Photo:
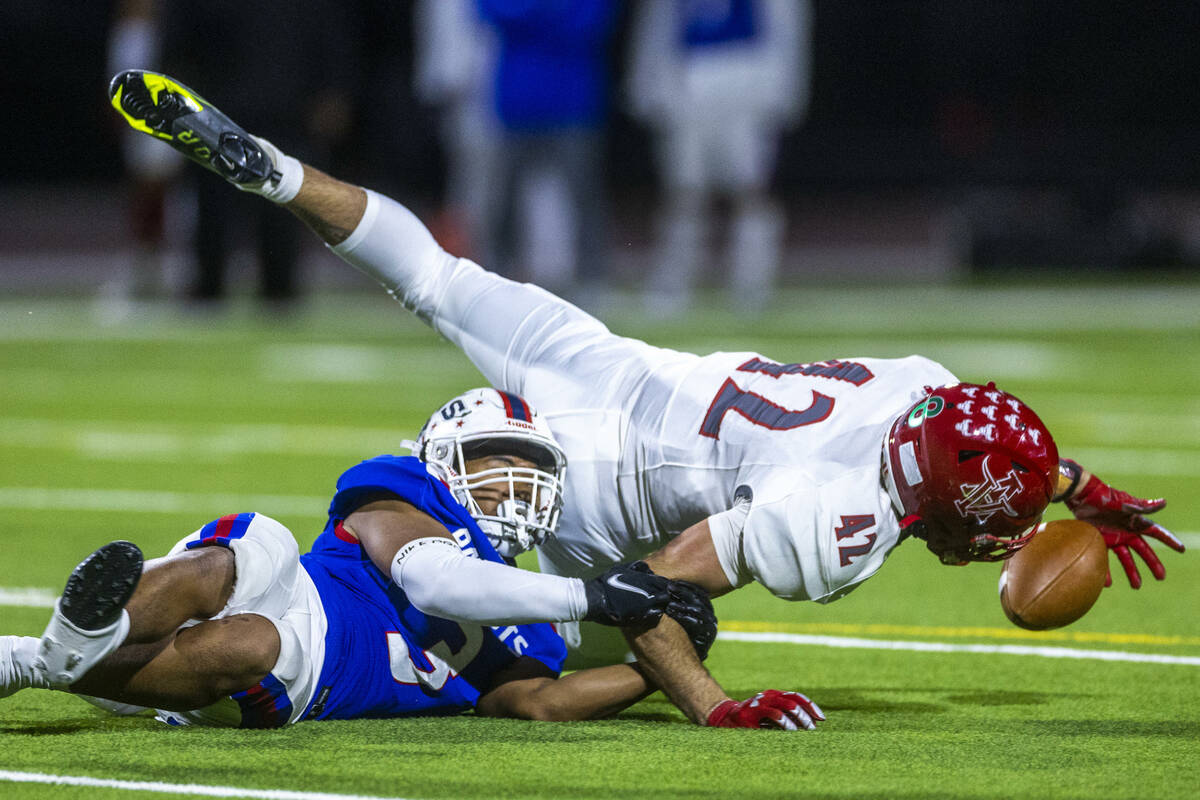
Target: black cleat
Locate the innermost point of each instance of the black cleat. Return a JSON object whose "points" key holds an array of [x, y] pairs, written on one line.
{"points": [[162, 107], [101, 585]]}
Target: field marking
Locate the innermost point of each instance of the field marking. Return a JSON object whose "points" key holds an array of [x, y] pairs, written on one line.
{"points": [[164, 440], [27, 597], [131, 501], [953, 632], [178, 788], [943, 647], [734, 630]]}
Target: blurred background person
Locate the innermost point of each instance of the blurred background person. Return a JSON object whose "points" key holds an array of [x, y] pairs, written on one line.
{"points": [[718, 82], [455, 62], [293, 79], [150, 166], [551, 92]]}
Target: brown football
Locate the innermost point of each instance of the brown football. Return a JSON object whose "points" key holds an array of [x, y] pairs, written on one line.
{"points": [[1055, 578]]}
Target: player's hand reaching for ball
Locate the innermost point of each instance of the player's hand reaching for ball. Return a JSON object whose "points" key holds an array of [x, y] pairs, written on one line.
{"points": [[788, 711], [1119, 516]]}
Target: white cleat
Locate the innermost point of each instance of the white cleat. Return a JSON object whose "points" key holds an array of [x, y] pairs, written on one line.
{"points": [[89, 619], [16, 665]]}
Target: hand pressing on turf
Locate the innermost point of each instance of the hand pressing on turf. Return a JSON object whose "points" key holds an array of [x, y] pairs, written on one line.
{"points": [[1119, 518], [789, 711]]}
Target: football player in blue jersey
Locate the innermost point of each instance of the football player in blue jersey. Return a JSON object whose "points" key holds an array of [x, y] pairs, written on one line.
{"points": [[402, 607]]}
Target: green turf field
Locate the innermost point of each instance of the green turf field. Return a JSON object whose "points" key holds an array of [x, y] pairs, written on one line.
{"points": [[147, 429]]}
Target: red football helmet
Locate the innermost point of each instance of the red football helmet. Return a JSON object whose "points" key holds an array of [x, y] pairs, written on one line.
{"points": [[973, 468]]}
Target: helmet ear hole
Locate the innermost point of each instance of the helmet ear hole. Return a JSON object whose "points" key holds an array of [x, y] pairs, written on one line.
{"points": [[967, 455], [1019, 467]]}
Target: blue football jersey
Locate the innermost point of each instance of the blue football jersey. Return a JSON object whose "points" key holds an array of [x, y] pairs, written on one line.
{"points": [[382, 656]]}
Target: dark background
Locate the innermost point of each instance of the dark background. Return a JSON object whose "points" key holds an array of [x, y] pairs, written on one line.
{"points": [[1095, 103]]}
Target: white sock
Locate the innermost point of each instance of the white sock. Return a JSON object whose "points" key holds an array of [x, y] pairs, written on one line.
{"points": [[291, 176], [16, 665]]}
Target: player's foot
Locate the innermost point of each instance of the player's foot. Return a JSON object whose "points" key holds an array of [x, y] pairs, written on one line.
{"points": [[166, 109], [16, 665], [89, 619]]}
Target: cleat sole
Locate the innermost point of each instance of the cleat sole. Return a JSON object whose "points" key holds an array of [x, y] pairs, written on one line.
{"points": [[98, 589]]}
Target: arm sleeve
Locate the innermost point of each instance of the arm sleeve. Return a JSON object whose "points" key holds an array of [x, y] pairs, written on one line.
{"points": [[442, 581]]}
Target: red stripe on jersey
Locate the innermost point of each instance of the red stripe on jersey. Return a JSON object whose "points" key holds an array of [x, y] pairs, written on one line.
{"points": [[224, 525], [340, 532]]}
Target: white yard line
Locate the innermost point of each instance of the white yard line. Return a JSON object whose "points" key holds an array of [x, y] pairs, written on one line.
{"points": [[134, 501], [27, 597], [32, 597], [943, 647], [158, 440], [195, 789]]}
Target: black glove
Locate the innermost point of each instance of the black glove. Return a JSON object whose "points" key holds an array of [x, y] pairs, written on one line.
{"points": [[628, 594], [692, 609]]}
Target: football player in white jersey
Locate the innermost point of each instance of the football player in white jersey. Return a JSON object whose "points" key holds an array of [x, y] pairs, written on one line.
{"points": [[727, 468]]}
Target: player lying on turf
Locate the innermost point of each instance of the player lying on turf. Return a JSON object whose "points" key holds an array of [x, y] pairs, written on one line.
{"points": [[802, 476], [402, 607]]}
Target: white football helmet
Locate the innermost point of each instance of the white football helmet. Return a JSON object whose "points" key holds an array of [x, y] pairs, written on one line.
{"points": [[484, 422]]}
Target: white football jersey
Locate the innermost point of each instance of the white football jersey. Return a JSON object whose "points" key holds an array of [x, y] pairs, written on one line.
{"points": [[806, 438], [657, 440]]}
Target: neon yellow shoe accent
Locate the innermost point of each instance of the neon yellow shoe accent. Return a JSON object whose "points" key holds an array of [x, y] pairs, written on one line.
{"points": [[155, 84], [162, 107]]}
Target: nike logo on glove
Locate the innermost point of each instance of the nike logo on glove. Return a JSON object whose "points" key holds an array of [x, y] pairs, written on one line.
{"points": [[615, 582]]}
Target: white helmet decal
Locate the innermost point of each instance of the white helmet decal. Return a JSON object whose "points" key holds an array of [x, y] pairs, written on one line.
{"points": [[989, 495], [486, 422]]}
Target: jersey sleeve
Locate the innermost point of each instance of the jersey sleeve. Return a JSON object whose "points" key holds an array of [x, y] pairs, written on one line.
{"points": [[403, 476], [816, 541], [407, 478]]}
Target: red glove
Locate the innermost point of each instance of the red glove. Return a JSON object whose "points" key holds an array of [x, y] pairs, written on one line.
{"points": [[1118, 517], [789, 711]]}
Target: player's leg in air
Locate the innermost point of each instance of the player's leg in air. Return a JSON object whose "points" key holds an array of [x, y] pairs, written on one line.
{"points": [[178, 633], [523, 339], [508, 330]]}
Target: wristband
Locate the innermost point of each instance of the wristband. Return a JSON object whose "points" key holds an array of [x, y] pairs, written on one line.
{"points": [[720, 712]]}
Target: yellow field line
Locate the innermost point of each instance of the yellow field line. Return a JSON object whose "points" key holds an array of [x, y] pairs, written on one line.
{"points": [[949, 632]]}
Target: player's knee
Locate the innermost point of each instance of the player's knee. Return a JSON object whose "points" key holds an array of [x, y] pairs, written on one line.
{"points": [[213, 571], [187, 585], [231, 654]]}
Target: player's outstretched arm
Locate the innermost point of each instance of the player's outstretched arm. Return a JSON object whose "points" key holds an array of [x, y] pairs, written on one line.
{"points": [[673, 666], [526, 691], [1120, 518], [440, 580]]}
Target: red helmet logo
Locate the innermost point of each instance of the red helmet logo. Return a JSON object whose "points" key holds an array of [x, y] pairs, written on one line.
{"points": [[973, 468]]}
